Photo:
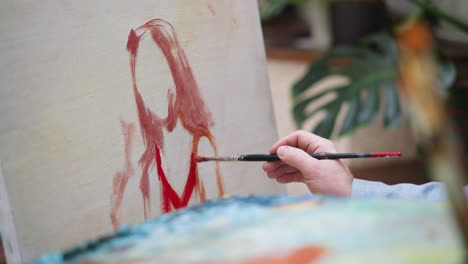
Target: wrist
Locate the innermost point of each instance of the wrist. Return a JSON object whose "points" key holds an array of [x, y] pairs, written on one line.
{"points": [[341, 188]]}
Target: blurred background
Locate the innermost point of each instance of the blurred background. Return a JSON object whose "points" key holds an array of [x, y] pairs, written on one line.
{"points": [[335, 69]]}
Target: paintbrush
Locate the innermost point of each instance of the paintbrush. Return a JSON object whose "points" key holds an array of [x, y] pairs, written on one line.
{"points": [[274, 157]]}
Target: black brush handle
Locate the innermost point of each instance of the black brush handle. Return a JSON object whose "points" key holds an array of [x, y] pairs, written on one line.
{"points": [[274, 157], [259, 157]]}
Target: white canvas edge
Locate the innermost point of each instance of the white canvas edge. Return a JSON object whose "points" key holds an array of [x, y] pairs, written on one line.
{"points": [[7, 226]]}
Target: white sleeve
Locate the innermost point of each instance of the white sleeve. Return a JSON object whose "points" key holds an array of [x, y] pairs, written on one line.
{"points": [[431, 190]]}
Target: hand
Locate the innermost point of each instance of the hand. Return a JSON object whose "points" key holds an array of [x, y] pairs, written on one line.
{"points": [[296, 165]]}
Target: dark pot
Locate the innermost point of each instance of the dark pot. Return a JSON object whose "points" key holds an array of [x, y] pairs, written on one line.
{"points": [[458, 109], [352, 20]]}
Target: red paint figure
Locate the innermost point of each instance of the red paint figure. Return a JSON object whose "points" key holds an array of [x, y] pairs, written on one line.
{"points": [[186, 105]]}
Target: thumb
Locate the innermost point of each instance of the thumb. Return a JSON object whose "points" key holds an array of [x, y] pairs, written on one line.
{"points": [[295, 157]]}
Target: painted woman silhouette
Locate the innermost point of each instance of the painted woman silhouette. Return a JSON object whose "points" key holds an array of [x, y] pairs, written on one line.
{"points": [[186, 106]]}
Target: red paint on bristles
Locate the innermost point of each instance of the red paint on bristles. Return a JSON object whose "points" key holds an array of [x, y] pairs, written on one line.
{"points": [[201, 159], [386, 154]]}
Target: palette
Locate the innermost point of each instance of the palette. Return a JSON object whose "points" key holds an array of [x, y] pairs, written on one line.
{"points": [[282, 229]]}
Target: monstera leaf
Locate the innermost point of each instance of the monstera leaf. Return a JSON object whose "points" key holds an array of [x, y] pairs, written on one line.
{"points": [[371, 69]]}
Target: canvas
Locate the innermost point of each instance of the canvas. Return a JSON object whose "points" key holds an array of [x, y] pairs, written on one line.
{"points": [[105, 106]]}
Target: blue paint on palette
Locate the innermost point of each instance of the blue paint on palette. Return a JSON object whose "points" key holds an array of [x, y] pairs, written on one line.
{"points": [[240, 228]]}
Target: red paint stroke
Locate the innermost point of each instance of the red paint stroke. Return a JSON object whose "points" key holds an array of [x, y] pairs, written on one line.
{"points": [[212, 10], [121, 177], [385, 154], [168, 191], [185, 105]]}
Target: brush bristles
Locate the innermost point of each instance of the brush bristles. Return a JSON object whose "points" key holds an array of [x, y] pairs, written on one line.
{"points": [[203, 159]]}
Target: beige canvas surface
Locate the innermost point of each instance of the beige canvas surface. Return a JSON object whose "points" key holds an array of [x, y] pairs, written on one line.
{"points": [[66, 98]]}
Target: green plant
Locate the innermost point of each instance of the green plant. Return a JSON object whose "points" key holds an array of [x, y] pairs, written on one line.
{"points": [[369, 70], [372, 70]]}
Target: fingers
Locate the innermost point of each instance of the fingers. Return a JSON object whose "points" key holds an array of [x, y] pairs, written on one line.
{"points": [[296, 165], [291, 177], [276, 170], [320, 176], [272, 165], [296, 158], [306, 141]]}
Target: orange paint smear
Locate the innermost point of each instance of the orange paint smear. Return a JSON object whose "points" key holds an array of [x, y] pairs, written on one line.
{"points": [[415, 37], [305, 255]]}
